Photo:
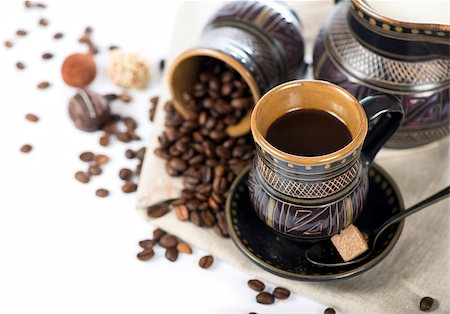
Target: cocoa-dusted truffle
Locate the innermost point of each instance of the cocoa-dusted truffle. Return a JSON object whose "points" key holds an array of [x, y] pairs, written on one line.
{"points": [[88, 110], [79, 70]]}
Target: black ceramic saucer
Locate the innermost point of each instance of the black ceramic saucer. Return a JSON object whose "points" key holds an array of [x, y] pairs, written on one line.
{"points": [[284, 256]]}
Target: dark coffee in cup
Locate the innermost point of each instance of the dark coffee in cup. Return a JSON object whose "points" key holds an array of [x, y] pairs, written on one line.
{"points": [[308, 133]]}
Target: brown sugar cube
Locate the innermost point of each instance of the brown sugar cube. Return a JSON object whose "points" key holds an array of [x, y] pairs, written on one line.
{"points": [[350, 243]]}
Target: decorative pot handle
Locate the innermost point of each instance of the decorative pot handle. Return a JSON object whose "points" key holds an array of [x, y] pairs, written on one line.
{"points": [[385, 115]]}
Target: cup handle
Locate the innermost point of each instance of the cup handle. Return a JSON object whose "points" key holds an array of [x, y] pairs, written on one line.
{"points": [[385, 115]]}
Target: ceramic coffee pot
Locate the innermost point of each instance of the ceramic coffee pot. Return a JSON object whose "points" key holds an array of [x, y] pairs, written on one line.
{"points": [[368, 47]]}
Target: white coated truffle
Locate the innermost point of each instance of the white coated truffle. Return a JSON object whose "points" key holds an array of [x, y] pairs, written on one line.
{"points": [[128, 69]]}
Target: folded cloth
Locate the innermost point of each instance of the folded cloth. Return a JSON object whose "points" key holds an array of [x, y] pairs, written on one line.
{"points": [[418, 265]]}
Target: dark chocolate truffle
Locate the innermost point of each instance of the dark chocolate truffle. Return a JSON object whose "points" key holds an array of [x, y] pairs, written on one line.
{"points": [[88, 110], [79, 70]]}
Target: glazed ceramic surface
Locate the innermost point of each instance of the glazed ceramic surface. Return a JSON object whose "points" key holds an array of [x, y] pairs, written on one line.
{"points": [[285, 256], [262, 41], [317, 197], [367, 53]]}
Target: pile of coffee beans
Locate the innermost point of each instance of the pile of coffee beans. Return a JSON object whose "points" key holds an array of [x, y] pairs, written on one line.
{"points": [[265, 297], [199, 149], [171, 243]]}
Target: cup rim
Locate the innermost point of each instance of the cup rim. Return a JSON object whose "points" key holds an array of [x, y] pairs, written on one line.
{"points": [[303, 160]]}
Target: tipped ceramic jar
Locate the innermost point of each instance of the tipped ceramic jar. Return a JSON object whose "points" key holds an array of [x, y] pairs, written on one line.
{"points": [[261, 41]]}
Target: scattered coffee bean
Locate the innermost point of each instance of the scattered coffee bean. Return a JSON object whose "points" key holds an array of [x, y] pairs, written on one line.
{"points": [[126, 98], [130, 154], [329, 311], [58, 35], [281, 293], [87, 156], [157, 211], [86, 39], [182, 212], [102, 192], [113, 47], [426, 303], [95, 170], [146, 254], [146, 244], [168, 241], [43, 22], [265, 298], [184, 248], [20, 65], [125, 174], [172, 254], [8, 44], [256, 285], [83, 177], [21, 32], [162, 63], [157, 234], [43, 85], [26, 148], [34, 4], [206, 261], [31, 117], [104, 140], [101, 159], [129, 187], [47, 55]]}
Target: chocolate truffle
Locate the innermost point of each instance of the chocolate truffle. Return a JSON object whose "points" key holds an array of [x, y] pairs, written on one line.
{"points": [[78, 70], [88, 110], [128, 70]]}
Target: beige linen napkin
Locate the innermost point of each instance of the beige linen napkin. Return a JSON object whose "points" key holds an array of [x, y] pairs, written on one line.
{"points": [[416, 267]]}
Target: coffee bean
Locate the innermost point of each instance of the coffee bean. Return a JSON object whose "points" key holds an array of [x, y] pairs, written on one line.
{"points": [[281, 293], [126, 98], [195, 218], [20, 65], [26, 148], [157, 234], [182, 213], [426, 303], [8, 44], [43, 85], [129, 187], [162, 63], [58, 35], [265, 298], [87, 156], [125, 174], [172, 254], [256, 285], [43, 22], [101, 159], [31, 117], [184, 248], [207, 216], [206, 261], [21, 32], [94, 170], [157, 211], [329, 311], [146, 244], [47, 55], [168, 241], [178, 164], [102, 192], [104, 140], [130, 154], [83, 177], [146, 254]]}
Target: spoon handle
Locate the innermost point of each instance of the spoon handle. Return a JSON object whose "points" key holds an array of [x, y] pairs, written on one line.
{"points": [[413, 209]]}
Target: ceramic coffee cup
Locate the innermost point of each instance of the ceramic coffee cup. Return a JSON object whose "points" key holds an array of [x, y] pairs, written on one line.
{"points": [[317, 197], [261, 40]]}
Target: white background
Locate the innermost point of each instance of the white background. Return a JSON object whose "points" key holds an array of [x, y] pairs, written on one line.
{"points": [[62, 249]]}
